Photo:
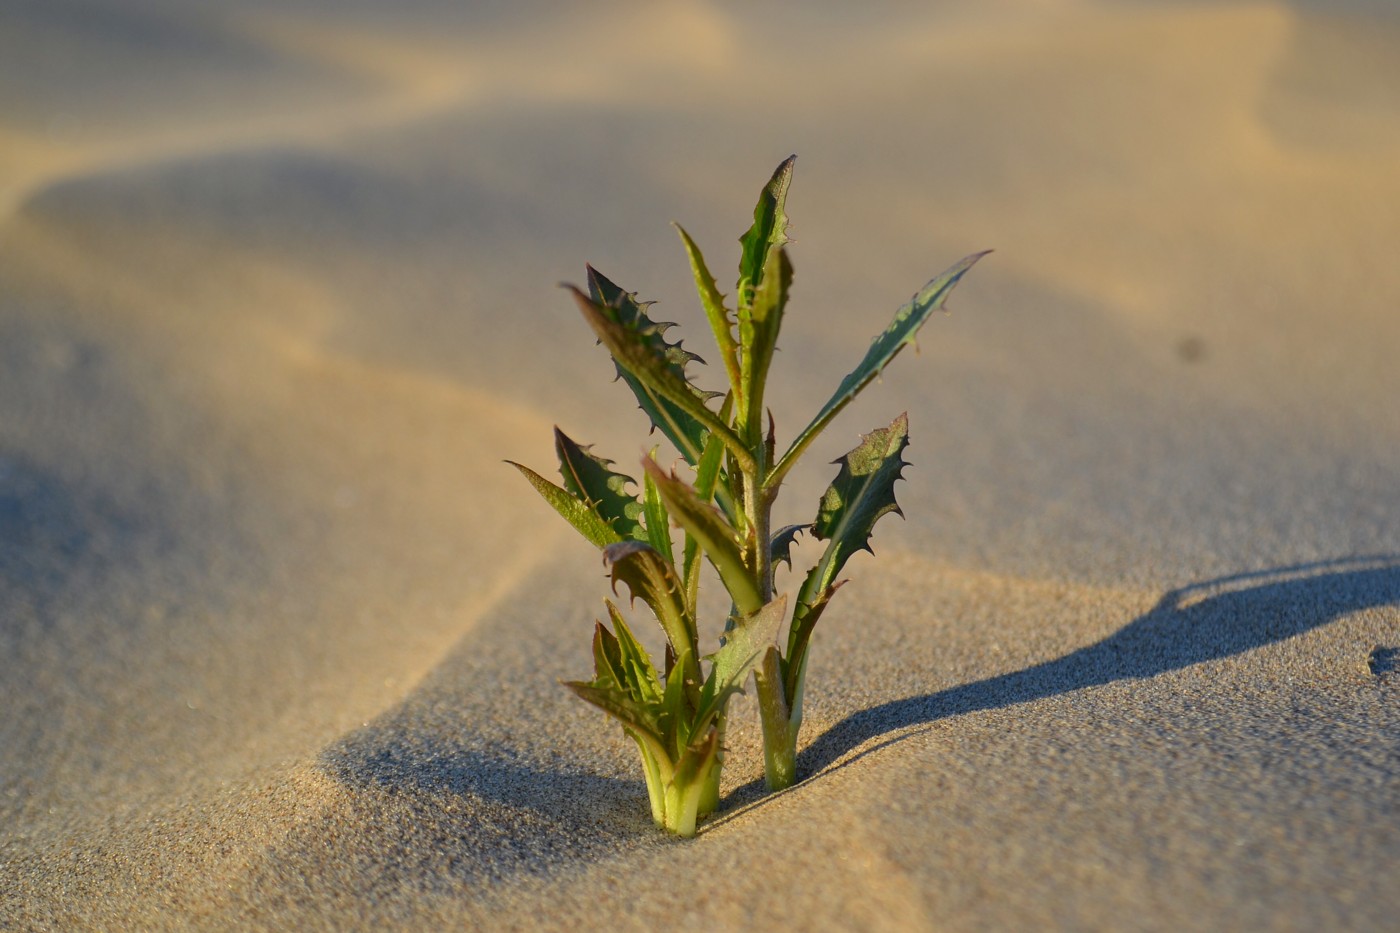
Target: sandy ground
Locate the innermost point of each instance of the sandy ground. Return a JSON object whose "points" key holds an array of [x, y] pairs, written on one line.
{"points": [[280, 634]]}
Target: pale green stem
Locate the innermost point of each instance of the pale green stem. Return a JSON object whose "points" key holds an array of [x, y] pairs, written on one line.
{"points": [[779, 735]]}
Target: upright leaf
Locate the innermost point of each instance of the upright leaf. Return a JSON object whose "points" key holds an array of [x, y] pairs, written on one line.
{"points": [[638, 673], [902, 330], [658, 530], [722, 322], [605, 492], [759, 323], [769, 231]]}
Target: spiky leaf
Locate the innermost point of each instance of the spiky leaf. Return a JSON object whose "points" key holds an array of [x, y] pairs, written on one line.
{"points": [[861, 494], [588, 478], [660, 379], [780, 546], [901, 332], [676, 420], [574, 511], [708, 526]]}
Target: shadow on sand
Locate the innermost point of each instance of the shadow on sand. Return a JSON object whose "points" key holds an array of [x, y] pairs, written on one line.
{"points": [[1200, 622]]}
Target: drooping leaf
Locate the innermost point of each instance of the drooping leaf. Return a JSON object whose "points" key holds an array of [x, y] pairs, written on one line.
{"points": [[722, 321], [574, 511], [902, 330], [588, 478], [708, 526], [676, 420], [768, 232], [660, 379], [651, 578]]}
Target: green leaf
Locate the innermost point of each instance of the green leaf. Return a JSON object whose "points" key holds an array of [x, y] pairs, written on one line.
{"points": [[902, 330], [861, 494], [584, 519], [651, 578], [708, 488], [642, 721], [722, 322], [674, 419], [658, 530], [780, 545], [588, 478], [639, 355], [769, 231], [759, 324], [741, 649], [638, 673], [717, 539]]}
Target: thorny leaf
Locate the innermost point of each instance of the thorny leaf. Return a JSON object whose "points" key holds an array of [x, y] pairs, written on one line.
{"points": [[588, 478]]}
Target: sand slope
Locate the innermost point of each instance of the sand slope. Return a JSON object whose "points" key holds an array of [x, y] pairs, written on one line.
{"points": [[280, 634]]}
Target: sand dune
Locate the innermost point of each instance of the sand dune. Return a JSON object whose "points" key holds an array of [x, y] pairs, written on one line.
{"points": [[280, 635]]}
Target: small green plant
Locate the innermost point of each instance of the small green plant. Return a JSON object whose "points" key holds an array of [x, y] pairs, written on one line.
{"points": [[676, 714]]}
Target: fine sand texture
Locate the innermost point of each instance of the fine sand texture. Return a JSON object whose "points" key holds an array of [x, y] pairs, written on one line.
{"points": [[281, 634]]}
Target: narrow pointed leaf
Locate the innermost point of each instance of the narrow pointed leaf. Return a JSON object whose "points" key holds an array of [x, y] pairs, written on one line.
{"points": [[584, 519], [769, 230], [722, 322], [661, 380], [902, 330], [675, 714], [708, 526], [588, 478]]}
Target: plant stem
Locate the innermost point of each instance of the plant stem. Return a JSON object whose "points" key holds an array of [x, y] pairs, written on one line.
{"points": [[779, 736]]}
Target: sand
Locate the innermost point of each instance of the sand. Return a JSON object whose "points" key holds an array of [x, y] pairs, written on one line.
{"points": [[280, 634]]}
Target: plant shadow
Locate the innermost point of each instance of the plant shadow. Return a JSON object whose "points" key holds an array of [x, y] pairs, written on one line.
{"points": [[1196, 623]]}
